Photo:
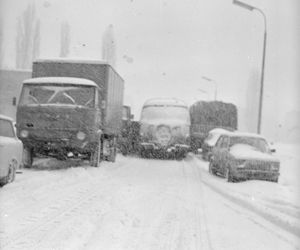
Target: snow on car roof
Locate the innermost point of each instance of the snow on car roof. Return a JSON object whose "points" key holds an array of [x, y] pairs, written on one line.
{"points": [[165, 102], [72, 60], [67, 80], [245, 134], [4, 117]]}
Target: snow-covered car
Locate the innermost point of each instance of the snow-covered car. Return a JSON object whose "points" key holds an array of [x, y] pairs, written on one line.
{"points": [[210, 141], [11, 150], [244, 156]]}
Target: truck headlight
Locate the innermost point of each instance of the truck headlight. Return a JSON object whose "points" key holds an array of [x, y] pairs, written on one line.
{"points": [[80, 136], [24, 133]]}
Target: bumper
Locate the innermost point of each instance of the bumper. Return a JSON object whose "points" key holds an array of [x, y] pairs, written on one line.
{"points": [[254, 174], [168, 149], [54, 145]]}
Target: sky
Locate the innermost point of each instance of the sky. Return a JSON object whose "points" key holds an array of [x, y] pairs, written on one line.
{"points": [[164, 48]]}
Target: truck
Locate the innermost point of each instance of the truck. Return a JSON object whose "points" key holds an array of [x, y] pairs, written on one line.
{"points": [[164, 128], [207, 115], [128, 141], [70, 108]]}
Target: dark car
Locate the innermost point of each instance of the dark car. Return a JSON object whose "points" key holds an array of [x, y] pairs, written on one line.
{"points": [[244, 156]]}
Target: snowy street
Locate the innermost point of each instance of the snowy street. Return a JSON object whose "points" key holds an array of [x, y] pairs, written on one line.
{"points": [[145, 204]]}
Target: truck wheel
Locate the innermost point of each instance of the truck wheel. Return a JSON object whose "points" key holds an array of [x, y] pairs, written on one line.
{"points": [[113, 154], [95, 155], [27, 157]]}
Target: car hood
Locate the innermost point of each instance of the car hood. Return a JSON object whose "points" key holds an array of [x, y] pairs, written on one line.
{"points": [[247, 152]]}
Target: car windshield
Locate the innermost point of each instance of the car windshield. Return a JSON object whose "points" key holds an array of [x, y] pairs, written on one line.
{"points": [[258, 143], [165, 112], [58, 94], [6, 128]]}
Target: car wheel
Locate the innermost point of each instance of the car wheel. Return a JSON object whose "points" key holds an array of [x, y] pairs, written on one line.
{"points": [[211, 168], [275, 180], [228, 175], [11, 173]]}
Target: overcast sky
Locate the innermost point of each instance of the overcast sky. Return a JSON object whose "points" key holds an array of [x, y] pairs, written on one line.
{"points": [[164, 47]]}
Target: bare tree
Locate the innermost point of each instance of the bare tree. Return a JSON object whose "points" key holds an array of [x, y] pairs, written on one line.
{"points": [[36, 41], [1, 43], [27, 38], [109, 46], [65, 39]]}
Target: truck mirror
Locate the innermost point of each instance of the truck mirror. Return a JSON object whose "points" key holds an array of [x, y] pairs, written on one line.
{"points": [[14, 101]]}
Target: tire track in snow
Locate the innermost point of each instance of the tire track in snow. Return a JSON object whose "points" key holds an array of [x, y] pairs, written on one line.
{"points": [[71, 199], [201, 221]]}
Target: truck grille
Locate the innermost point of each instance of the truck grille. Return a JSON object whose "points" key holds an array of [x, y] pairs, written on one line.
{"points": [[163, 135]]}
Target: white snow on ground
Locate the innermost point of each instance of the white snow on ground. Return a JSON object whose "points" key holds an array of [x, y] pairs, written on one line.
{"points": [[146, 204]]}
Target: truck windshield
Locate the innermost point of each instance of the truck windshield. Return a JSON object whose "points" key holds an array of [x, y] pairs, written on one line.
{"points": [[165, 112], [58, 94]]}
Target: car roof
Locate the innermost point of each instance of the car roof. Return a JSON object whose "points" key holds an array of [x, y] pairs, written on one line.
{"points": [[4, 117], [65, 80]]}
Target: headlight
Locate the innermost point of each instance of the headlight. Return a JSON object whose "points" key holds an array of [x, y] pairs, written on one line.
{"points": [[241, 163], [24, 133], [80, 135], [275, 166]]}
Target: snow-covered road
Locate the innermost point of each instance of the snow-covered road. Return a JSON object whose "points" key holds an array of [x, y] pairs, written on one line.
{"points": [[145, 204]]}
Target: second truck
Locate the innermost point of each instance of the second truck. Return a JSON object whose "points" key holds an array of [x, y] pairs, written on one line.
{"points": [[71, 108]]}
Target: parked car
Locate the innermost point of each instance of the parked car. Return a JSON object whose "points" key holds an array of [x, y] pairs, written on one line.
{"points": [[11, 150], [244, 156], [210, 141]]}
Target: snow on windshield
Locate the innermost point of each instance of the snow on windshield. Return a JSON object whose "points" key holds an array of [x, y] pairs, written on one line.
{"points": [[165, 112], [54, 94]]}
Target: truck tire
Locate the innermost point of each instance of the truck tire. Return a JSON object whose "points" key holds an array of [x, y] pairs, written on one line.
{"points": [[27, 157], [95, 155]]}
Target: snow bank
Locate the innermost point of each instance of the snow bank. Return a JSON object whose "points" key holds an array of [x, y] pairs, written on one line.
{"points": [[276, 202]]}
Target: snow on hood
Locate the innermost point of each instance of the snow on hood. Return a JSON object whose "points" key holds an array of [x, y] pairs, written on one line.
{"points": [[243, 151]]}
